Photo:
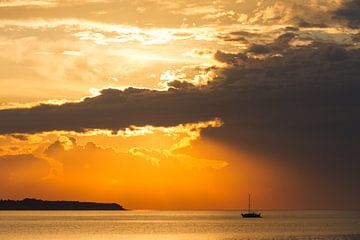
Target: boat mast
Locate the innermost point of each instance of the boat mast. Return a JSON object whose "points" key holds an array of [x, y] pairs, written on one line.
{"points": [[249, 202]]}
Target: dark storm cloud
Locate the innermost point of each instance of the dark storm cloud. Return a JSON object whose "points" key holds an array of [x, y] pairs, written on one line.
{"points": [[350, 12], [259, 49], [302, 109], [180, 85], [307, 24], [239, 36], [302, 106], [281, 43], [306, 100], [112, 109], [230, 58], [318, 75]]}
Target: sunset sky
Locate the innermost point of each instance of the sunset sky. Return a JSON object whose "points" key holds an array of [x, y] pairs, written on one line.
{"points": [[179, 104]]}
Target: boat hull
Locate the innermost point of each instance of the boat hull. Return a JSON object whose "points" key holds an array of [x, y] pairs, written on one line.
{"points": [[251, 215]]}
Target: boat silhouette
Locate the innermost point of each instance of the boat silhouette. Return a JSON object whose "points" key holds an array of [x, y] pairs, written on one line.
{"points": [[251, 214]]}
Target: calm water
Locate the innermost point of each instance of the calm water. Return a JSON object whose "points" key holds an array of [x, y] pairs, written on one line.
{"points": [[188, 225]]}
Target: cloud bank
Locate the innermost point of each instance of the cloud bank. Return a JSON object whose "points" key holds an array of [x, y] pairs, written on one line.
{"points": [[290, 92]]}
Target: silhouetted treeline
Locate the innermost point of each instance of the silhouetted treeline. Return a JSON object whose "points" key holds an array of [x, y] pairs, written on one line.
{"points": [[36, 204]]}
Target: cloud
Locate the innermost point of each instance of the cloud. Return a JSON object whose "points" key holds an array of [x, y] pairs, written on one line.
{"points": [[309, 89], [285, 91], [299, 106], [112, 109], [305, 13], [281, 43], [91, 168], [19, 3], [298, 70], [233, 58], [141, 13], [350, 12], [24, 169]]}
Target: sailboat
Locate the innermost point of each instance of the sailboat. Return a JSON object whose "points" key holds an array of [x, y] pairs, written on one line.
{"points": [[251, 214]]}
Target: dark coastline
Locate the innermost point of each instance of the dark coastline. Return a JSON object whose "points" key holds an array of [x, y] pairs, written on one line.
{"points": [[37, 204]]}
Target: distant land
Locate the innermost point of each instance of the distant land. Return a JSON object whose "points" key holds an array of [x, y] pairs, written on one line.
{"points": [[37, 204]]}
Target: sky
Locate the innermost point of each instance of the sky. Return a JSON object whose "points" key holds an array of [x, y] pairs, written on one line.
{"points": [[159, 104]]}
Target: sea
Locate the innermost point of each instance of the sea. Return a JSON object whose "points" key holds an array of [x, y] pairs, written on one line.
{"points": [[178, 225]]}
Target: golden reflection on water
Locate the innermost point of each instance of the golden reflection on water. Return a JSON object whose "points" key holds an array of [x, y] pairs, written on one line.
{"points": [[176, 225]]}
